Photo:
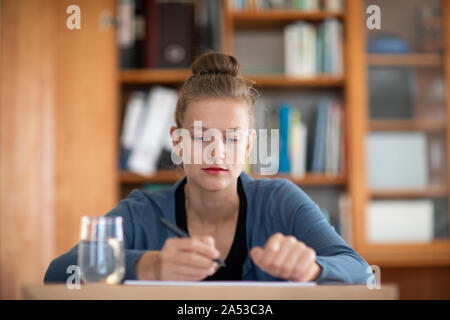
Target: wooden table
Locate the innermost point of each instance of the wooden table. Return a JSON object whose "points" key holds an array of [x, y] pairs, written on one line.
{"points": [[155, 292]]}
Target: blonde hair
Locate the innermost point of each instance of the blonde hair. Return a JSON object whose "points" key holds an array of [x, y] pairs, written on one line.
{"points": [[215, 75]]}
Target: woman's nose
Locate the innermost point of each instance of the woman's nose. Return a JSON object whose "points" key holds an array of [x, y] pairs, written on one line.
{"points": [[219, 150]]}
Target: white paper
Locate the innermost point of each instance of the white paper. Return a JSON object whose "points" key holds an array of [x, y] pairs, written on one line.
{"points": [[220, 283]]}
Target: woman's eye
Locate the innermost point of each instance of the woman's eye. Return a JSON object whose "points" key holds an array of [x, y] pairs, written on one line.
{"points": [[204, 139]]}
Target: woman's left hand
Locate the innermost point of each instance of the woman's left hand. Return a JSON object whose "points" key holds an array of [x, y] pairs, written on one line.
{"points": [[287, 258]]}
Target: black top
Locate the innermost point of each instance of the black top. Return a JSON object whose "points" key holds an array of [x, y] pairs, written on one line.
{"points": [[238, 251]]}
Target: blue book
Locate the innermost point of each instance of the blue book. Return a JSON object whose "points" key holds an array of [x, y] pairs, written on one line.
{"points": [[124, 154], [320, 49], [284, 114], [319, 144]]}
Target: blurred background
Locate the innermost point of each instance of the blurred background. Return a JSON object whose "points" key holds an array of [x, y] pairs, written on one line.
{"points": [[358, 89]]}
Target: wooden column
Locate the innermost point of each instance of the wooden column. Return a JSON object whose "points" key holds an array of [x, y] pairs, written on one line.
{"points": [[86, 120], [57, 132], [356, 106], [446, 35]]}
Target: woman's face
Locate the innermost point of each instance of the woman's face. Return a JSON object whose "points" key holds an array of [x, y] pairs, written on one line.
{"points": [[219, 137]]}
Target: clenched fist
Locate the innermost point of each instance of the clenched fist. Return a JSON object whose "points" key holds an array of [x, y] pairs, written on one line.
{"points": [[287, 258]]}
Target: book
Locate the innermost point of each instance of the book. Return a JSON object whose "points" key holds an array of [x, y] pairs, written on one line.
{"points": [[134, 112], [154, 135], [400, 221], [284, 114], [319, 142], [297, 144], [290, 43], [149, 54], [333, 5], [312, 49], [341, 166], [329, 135], [333, 56], [126, 33], [335, 139], [176, 40], [168, 44], [302, 5], [327, 149], [207, 31]]}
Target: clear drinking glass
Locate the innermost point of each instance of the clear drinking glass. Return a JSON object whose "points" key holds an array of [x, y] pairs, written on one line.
{"points": [[101, 253]]}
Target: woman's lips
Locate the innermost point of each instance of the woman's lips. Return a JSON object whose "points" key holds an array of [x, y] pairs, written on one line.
{"points": [[214, 171]]}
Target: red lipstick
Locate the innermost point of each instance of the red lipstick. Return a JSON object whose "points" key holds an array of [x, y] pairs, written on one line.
{"points": [[214, 170]]}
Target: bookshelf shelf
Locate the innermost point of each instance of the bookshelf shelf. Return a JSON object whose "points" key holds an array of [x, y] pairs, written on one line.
{"points": [[433, 253], [267, 19], [178, 76], [171, 176], [286, 81], [161, 176], [154, 76], [310, 179], [413, 60], [408, 125], [429, 192]]}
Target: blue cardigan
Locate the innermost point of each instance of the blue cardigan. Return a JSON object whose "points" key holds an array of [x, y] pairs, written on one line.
{"points": [[273, 205]]}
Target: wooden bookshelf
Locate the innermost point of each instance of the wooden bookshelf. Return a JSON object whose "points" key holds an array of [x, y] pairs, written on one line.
{"points": [[354, 92], [407, 255]]}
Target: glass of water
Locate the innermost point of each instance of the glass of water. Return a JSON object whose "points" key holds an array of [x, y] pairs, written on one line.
{"points": [[101, 255]]}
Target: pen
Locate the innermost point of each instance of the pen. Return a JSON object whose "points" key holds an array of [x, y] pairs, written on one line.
{"points": [[180, 233]]}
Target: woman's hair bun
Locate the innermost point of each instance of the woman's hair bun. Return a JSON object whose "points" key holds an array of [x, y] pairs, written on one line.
{"points": [[214, 63]]}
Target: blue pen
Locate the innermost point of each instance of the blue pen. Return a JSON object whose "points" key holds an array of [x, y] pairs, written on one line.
{"points": [[180, 233]]}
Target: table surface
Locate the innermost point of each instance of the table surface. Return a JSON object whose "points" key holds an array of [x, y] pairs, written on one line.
{"points": [[183, 292]]}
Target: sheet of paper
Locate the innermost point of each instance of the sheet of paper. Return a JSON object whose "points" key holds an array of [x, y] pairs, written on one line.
{"points": [[220, 283]]}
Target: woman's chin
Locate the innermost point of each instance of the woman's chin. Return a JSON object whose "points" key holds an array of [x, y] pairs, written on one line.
{"points": [[213, 182]]}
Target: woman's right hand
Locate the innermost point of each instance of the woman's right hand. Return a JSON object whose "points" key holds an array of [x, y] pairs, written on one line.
{"points": [[180, 259]]}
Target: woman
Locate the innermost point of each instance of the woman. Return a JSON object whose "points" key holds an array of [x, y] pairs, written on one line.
{"points": [[264, 229]]}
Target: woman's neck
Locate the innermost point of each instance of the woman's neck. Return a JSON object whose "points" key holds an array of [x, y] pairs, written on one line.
{"points": [[211, 207]]}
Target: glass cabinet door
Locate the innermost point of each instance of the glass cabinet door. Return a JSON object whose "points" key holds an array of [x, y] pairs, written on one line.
{"points": [[406, 144]]}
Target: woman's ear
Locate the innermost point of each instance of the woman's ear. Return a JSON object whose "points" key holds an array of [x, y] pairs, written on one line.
{"points": [[175, 140], [251, 141], [172, 129]]}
